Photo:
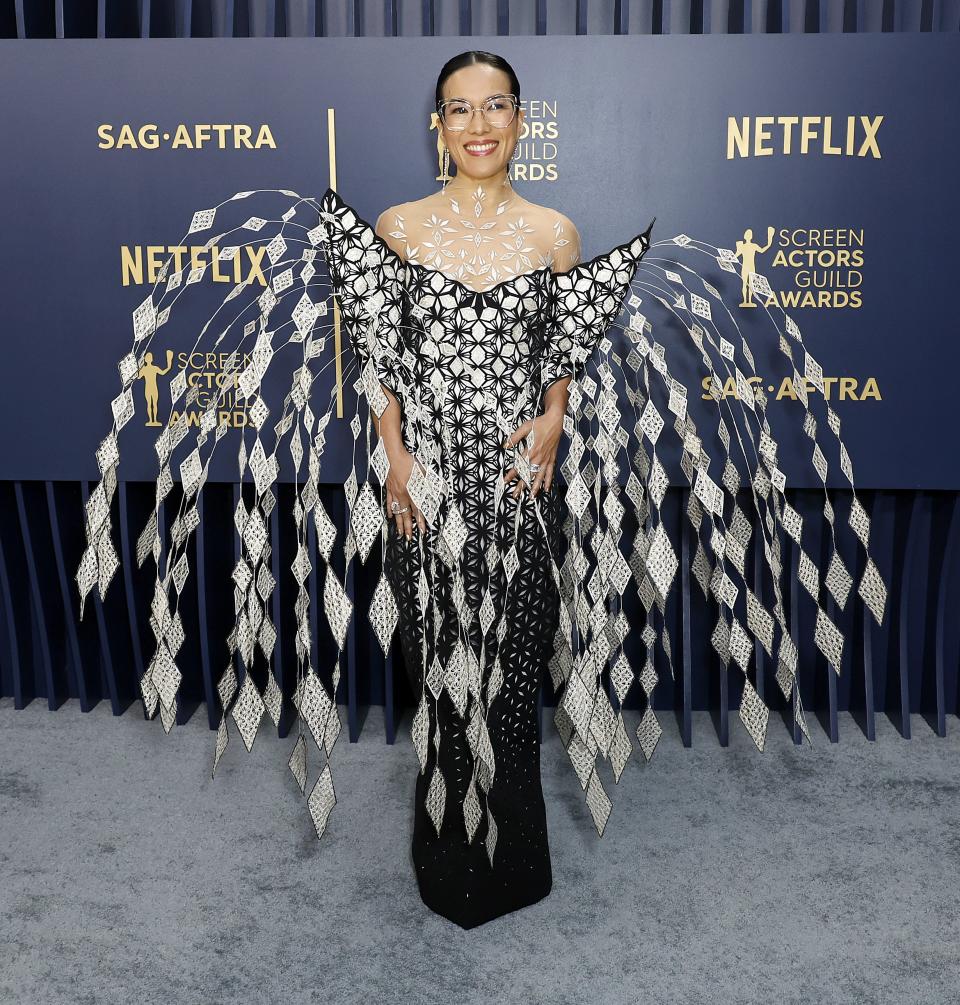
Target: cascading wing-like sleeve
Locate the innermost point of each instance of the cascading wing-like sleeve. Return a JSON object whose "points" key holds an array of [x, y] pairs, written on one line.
{"points": [[627, 413], [282, 310]]}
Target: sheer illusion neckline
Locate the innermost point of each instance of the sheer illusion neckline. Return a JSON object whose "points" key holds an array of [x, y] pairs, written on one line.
{"points": [[404, 264]]}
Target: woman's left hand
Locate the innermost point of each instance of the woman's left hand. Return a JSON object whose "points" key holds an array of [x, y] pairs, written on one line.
{"points": [[546, 429]]}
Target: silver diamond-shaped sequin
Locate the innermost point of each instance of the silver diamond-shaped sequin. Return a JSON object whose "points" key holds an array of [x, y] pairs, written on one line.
{"points": [[314, 704], [420, 730], [648, 733], [661, 561], [829, 640], [322, 800], [436, 798], [338, 607], [298, 764], [326, 531], [873, 591], [471, 810], [753, 713], [384, 613], [599, 803], [366, 518], [838, 581], [248, 711]]}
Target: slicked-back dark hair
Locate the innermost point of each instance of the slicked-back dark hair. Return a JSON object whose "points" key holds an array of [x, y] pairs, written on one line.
{"points": [[470, 58]]}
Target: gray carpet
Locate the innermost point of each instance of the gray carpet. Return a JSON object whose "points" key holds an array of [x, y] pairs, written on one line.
{"points": [[823, 874]]}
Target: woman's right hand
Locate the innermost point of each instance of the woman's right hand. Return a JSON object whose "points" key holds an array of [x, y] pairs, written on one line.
{"points": [[401, 464]]}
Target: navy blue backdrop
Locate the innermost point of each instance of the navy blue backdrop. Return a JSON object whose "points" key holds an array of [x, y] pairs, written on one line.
{"points": [[685, 129], [650, 135]]}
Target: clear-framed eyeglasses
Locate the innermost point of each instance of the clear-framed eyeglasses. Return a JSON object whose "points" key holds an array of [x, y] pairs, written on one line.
{"points": [[499, 111]]}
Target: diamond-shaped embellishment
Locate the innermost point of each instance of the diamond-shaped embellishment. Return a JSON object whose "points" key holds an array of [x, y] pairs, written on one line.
{"points": [[454, 531], [338, 607], [511, 562], [829, 640], [248, 711], [313, 703], [648, 733], [753, 713], [326, 531], [873, 591], [661, 561], [436, 799], [471, 810], [322, 800], [599, 803], [384, 613], [273, 697], [838, 580], [366, 519], [298, 763], [420, 730]]}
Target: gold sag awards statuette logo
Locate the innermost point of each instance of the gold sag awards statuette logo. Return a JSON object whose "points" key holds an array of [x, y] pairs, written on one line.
{"points": [[148, 373], [818, 265], [205, 371], [811, 267], [746, 253]]}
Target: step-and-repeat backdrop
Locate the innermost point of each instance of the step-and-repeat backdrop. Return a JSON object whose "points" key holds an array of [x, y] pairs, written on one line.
{"points": [[829, 161]]}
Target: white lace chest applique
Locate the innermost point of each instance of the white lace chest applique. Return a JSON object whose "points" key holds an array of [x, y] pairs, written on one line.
{"points": [[481, 247]]}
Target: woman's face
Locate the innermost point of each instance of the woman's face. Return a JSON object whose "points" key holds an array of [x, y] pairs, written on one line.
{"points": [[475, 84]]}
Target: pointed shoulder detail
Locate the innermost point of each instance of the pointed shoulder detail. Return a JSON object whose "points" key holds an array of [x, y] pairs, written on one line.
{"points": [[367, 276], [616, 266], [586, 301], [349, 235]]}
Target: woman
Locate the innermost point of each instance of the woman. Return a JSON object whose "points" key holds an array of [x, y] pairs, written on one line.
{"points": [[479, 338], [490, 397], [482, 233]]}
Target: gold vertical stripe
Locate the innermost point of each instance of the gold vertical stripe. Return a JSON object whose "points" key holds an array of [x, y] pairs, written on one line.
{"points": [[337, 345]]}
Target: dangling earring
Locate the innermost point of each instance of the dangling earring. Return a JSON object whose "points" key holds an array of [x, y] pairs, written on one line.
{"points": [[444, 159], [446, 165]]}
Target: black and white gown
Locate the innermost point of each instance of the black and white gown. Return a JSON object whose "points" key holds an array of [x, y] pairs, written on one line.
{"points": [[468, 367], [497, 591]]}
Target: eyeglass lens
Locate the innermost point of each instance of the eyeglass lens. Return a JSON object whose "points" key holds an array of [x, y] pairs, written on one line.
{"points": [[498, 111]]}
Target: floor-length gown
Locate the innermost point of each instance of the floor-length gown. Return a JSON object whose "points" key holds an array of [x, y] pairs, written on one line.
{"points": [[467, 368]]}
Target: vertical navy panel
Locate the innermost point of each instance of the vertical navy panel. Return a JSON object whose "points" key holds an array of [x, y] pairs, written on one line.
{"points": [[686, 642], [12, 671], [54, 685], [74, 660], [127, 568]]}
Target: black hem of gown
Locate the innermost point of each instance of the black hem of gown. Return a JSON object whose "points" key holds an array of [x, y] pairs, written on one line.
{"points": [[455, 877]]}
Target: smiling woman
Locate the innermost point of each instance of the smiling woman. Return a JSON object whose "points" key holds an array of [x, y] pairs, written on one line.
{"points": [[478, 405]]}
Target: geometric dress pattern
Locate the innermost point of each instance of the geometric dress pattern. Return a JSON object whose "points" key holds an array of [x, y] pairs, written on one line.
{"points": [[498, 591]]}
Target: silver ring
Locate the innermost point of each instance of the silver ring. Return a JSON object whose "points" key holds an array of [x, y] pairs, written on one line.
{"points": [[394, 507], [406, 509], [534, 468]]}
